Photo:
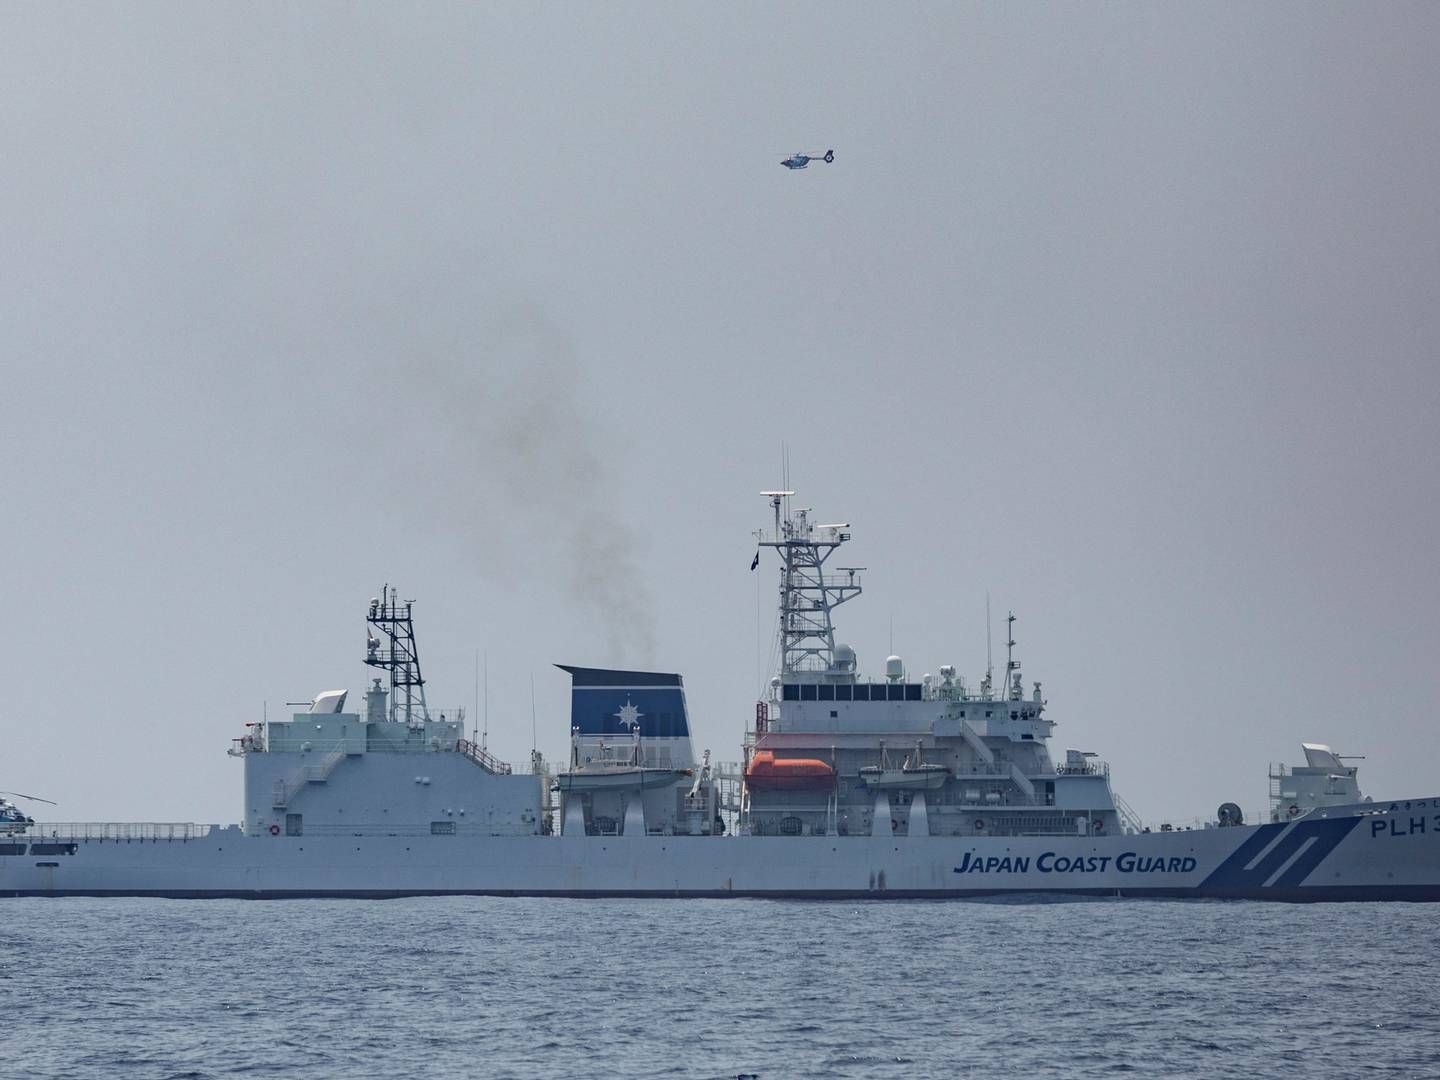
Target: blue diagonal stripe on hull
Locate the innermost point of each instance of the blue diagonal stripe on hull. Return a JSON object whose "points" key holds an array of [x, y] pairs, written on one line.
{"points": [[1338, 829], [1232, 873]]}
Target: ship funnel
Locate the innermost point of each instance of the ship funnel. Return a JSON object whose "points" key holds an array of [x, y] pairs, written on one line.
{"points": [[611, 705]]}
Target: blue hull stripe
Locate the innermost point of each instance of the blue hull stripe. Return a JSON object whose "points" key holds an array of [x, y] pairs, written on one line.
{"points": [[1231, 876]]}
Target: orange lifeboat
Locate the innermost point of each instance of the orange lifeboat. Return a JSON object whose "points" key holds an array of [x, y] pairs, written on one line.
{"points": [[768, 771]]}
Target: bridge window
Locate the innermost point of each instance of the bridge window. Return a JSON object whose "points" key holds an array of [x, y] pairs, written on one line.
{"points": [[912, 691], [896, 692], [807, 692], [12, 849], [827, 693], [790, 693], [844, 693], [862, 692]]}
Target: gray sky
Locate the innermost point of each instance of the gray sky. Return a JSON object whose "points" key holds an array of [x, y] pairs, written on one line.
{"points": [[1125, 314]]}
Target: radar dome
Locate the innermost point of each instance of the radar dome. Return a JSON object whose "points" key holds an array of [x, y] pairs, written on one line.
{"points": [[894, 668], [844, 658]]}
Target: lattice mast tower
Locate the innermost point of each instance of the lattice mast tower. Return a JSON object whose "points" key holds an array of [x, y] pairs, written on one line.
{"points": [[807, 593], [398, 654]]}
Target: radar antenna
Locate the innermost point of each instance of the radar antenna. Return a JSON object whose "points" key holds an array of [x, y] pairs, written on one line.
{"points": [[399, 655], [807, 594]]}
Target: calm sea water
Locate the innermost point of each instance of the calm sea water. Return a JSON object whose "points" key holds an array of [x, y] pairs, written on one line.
{"points": [[462, 987]]}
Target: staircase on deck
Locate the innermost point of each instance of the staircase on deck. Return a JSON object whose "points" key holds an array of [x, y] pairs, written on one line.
{"points": [[487, 761], [286, 790]]}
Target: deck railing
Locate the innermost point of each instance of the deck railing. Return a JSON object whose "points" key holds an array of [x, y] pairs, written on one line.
{"points": [[1129, 819], [116, 830], [483, 758], [1089, 768]]}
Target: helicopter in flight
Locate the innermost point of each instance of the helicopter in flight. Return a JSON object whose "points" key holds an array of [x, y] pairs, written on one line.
{"points": [[799, 161]]}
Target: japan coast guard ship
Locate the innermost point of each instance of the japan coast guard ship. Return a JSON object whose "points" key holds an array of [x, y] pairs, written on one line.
{"points": [[848, 787]]}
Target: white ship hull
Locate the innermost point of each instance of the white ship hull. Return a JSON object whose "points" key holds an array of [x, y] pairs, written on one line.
{"points": [[1377, 851]]}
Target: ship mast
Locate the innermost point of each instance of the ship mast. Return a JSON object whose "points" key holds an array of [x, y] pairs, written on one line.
{"points": [[399, 655], [1012, 687], [807, 593]]}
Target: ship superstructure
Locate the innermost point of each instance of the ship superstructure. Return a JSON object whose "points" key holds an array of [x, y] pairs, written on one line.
{"points": [[834, 753], [392, 768]]}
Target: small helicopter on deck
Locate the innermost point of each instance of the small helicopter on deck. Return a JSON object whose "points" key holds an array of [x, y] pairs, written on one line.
{"points": [[12, 819], [799, 161]]}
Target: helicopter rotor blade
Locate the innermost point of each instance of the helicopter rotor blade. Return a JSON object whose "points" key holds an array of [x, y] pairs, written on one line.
{"points": [[32, 798]]}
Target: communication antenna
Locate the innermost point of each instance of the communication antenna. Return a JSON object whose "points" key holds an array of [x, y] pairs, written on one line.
{"points": [[1010, 664], [485, 732], [759, 637], [785, 478], [532, 713], [989, 664]]}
